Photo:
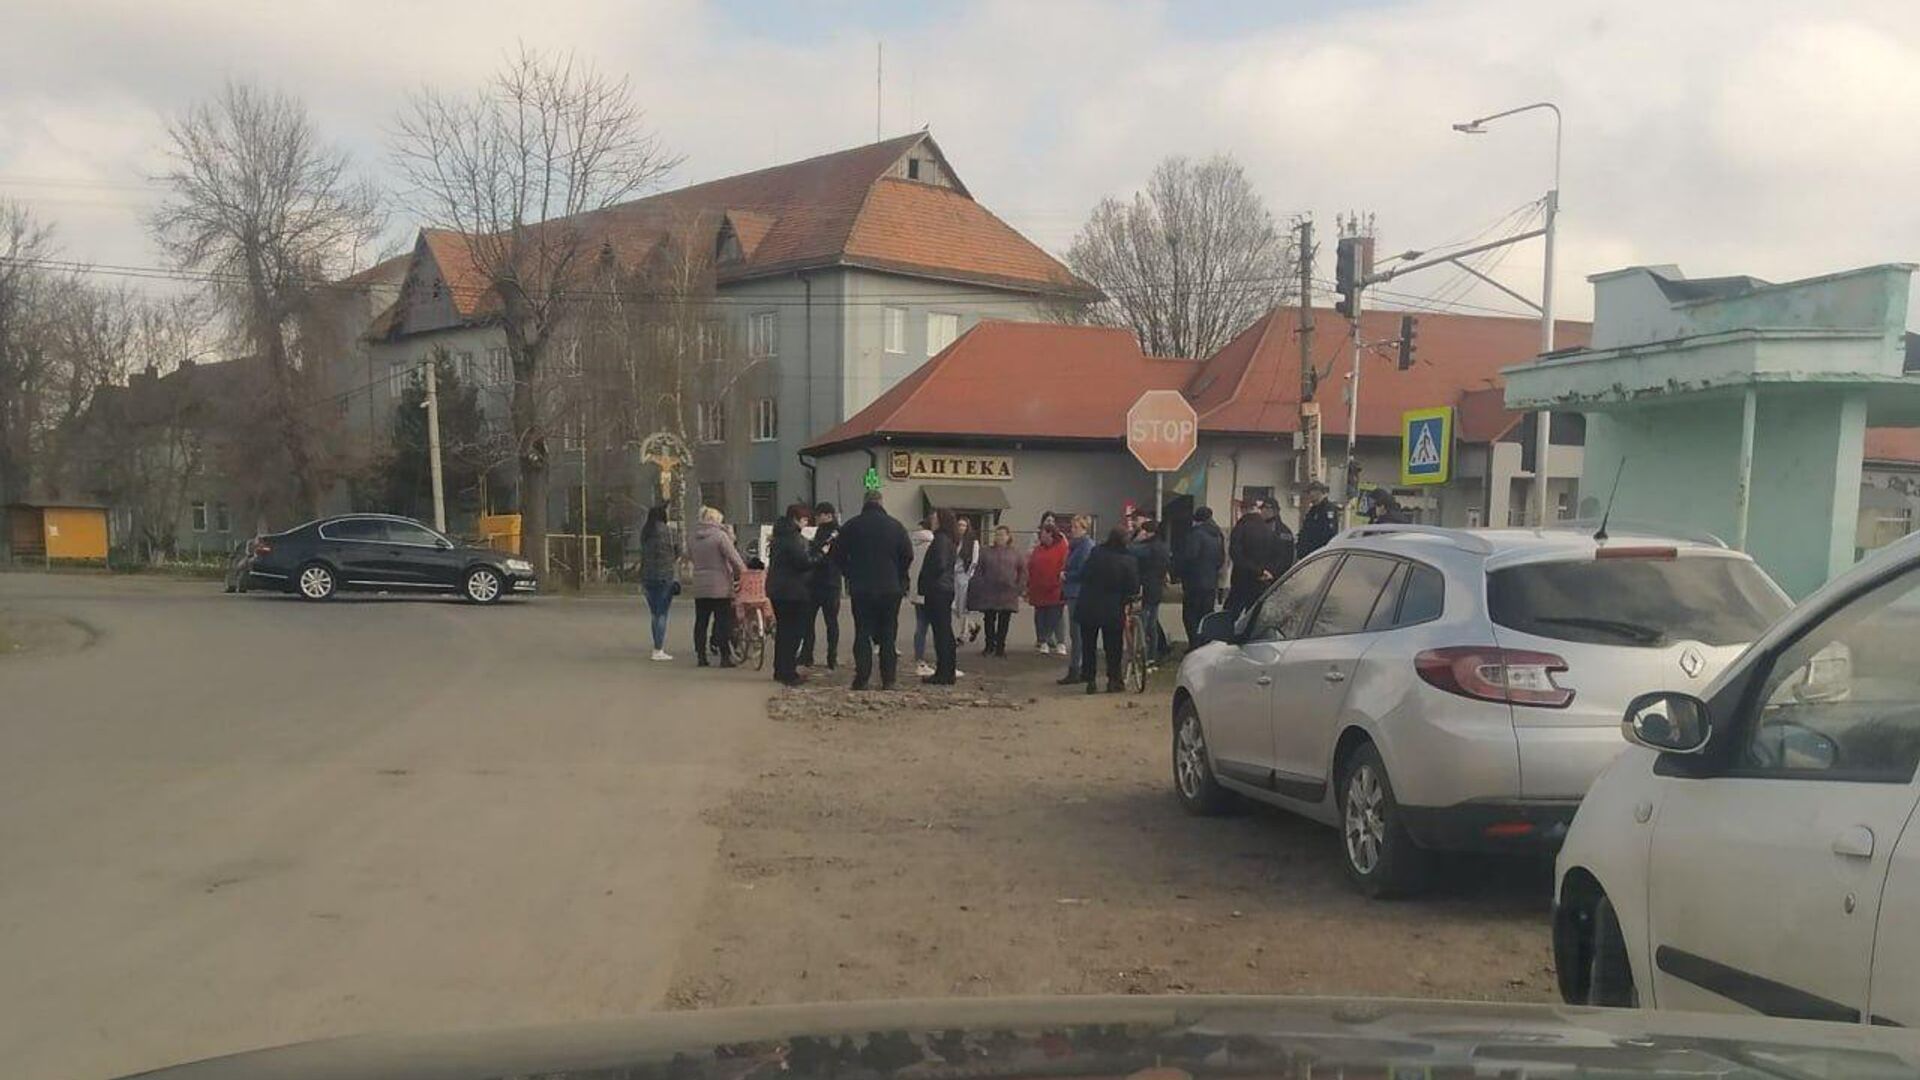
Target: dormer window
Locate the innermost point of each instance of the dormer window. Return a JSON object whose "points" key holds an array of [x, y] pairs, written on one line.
{"points": [[913, 168], [727, 248]]}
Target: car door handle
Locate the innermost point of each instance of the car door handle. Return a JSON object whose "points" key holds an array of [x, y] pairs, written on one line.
{"points": [[1855, 842], [1335, 675], [1264, 680]]}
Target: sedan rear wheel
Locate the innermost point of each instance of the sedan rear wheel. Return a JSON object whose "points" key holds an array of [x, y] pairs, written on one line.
{"points": [[1380, 857], [483, 585], [315, 582]]}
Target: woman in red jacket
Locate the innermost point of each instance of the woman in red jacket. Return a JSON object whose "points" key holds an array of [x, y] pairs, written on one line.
{"points": [[1046, 570]]}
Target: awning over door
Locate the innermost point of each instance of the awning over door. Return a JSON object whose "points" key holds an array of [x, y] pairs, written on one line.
{"points": [[964, 496]]}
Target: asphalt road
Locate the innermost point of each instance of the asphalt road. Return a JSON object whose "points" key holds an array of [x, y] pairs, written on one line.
{"points": [[237, 821]]}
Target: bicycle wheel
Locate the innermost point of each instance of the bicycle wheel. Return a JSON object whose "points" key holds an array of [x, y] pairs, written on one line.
{"points": [[757, 640], [1133, 661]]}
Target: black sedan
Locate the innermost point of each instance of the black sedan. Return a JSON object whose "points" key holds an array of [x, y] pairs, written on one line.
{"points": [[384, 552]]}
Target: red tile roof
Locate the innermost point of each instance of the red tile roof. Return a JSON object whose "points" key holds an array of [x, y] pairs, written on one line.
{"points": [[1893, 444], [1020, 381], [842, 208], [1252, 385], [1033, 381]]}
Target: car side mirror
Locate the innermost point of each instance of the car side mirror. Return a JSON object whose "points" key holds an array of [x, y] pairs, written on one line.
{"points": [[1670, 722], [443, 544], [1217, 627]]}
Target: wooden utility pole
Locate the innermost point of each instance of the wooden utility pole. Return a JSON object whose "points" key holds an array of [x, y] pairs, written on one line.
{"points": [[1309, 408]]}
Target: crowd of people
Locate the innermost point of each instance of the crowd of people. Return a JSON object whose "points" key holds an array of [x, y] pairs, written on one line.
{"points": [[963, 586]]}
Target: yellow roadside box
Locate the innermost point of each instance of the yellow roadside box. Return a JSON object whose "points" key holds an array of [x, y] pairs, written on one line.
{"points": [[54, 532]]}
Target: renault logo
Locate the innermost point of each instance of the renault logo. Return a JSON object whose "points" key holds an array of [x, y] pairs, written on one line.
{"points": [[1691, 662]]}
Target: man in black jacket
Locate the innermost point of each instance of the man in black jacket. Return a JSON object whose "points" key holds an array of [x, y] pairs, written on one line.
{"points": [[1250, 549], [1319, 521], [1280, 548], [790, 567], [1202, 553], [1149, 549], [873, 554], [825, 587]]}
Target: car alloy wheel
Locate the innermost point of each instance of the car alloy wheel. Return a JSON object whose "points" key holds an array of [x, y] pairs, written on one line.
{"points": [[316, 582], [483, 585], [1190, 758], [1366, 829]]}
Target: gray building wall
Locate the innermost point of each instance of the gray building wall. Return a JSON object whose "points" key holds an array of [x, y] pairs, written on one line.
{"points": [[829, 359]]}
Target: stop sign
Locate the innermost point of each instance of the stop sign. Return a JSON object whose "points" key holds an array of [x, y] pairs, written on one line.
{"points": [[1162, 430]]}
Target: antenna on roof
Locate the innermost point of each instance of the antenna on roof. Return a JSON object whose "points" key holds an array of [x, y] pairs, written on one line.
{"points": [[1600, 534], [879, 65]]}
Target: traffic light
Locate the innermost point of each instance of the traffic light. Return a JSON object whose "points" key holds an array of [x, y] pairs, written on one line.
{"points": [[1353, 261], [1409, 328]]}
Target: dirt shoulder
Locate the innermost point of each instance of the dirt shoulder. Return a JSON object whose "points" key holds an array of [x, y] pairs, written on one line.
{"points": [[1013, 837]]}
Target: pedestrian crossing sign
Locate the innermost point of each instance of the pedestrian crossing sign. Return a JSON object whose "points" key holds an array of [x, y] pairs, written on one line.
{"points": [[1426, 446]]}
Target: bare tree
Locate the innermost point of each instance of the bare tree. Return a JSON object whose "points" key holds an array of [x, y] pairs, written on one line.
{"points": [[266, 212], [1189, 262], [516, 170], [657, 347], [93, 342], [25, 289]]}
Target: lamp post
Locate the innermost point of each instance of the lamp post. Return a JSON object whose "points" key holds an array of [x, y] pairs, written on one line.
{"points": [[1543, 421]]}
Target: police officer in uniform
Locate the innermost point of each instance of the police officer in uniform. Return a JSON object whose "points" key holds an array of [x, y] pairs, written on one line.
{"points": [[1319, 521]]}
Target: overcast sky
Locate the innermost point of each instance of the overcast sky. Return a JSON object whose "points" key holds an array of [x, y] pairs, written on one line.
{"points": [[1728, 136]]}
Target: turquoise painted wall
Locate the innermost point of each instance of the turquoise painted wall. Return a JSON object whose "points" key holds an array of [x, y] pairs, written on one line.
{"points": [[1683, 459]]}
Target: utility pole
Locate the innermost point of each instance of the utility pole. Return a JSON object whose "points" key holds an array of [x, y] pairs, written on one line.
{"points": [[432, 405], [1309, 408], [879, 66]]}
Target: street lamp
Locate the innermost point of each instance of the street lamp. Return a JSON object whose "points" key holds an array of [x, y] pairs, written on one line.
{"points": [[1544, 421]]}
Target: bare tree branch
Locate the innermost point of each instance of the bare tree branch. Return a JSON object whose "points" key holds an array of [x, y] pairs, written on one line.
{"points": [[520, 170], [266, 211], [1189, 262]]}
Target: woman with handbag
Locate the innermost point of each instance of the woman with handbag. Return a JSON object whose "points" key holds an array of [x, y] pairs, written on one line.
{"points": [[659, 574]]}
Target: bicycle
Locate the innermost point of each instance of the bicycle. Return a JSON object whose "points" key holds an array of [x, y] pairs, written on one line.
{"points": [[752, 623], [1133, 652]]}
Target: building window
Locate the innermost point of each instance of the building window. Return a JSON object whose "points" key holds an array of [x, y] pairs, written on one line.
{"points": [[766, 419], [570, 357], [710, 421], [499, 367], [199, 510], [713, 493], [397, 378], [573, 432], [942, 328], [463, 367], [222, 520], [710, 336], [913, 168], [761, 494], [763, 333], [896, 329]]}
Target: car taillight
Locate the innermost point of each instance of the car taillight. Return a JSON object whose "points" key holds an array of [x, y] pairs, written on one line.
{"points": [[1513, 676]]}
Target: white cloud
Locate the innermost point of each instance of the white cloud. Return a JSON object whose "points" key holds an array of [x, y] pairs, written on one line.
{"points": [[1757, 136]]}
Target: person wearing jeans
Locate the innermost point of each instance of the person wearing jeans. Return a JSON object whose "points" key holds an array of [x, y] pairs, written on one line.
{"points": [[1079, 547], [659, 567]]}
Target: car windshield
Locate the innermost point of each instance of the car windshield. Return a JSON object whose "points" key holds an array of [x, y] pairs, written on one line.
{"points": [[566, 510], [1642, 602]]}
